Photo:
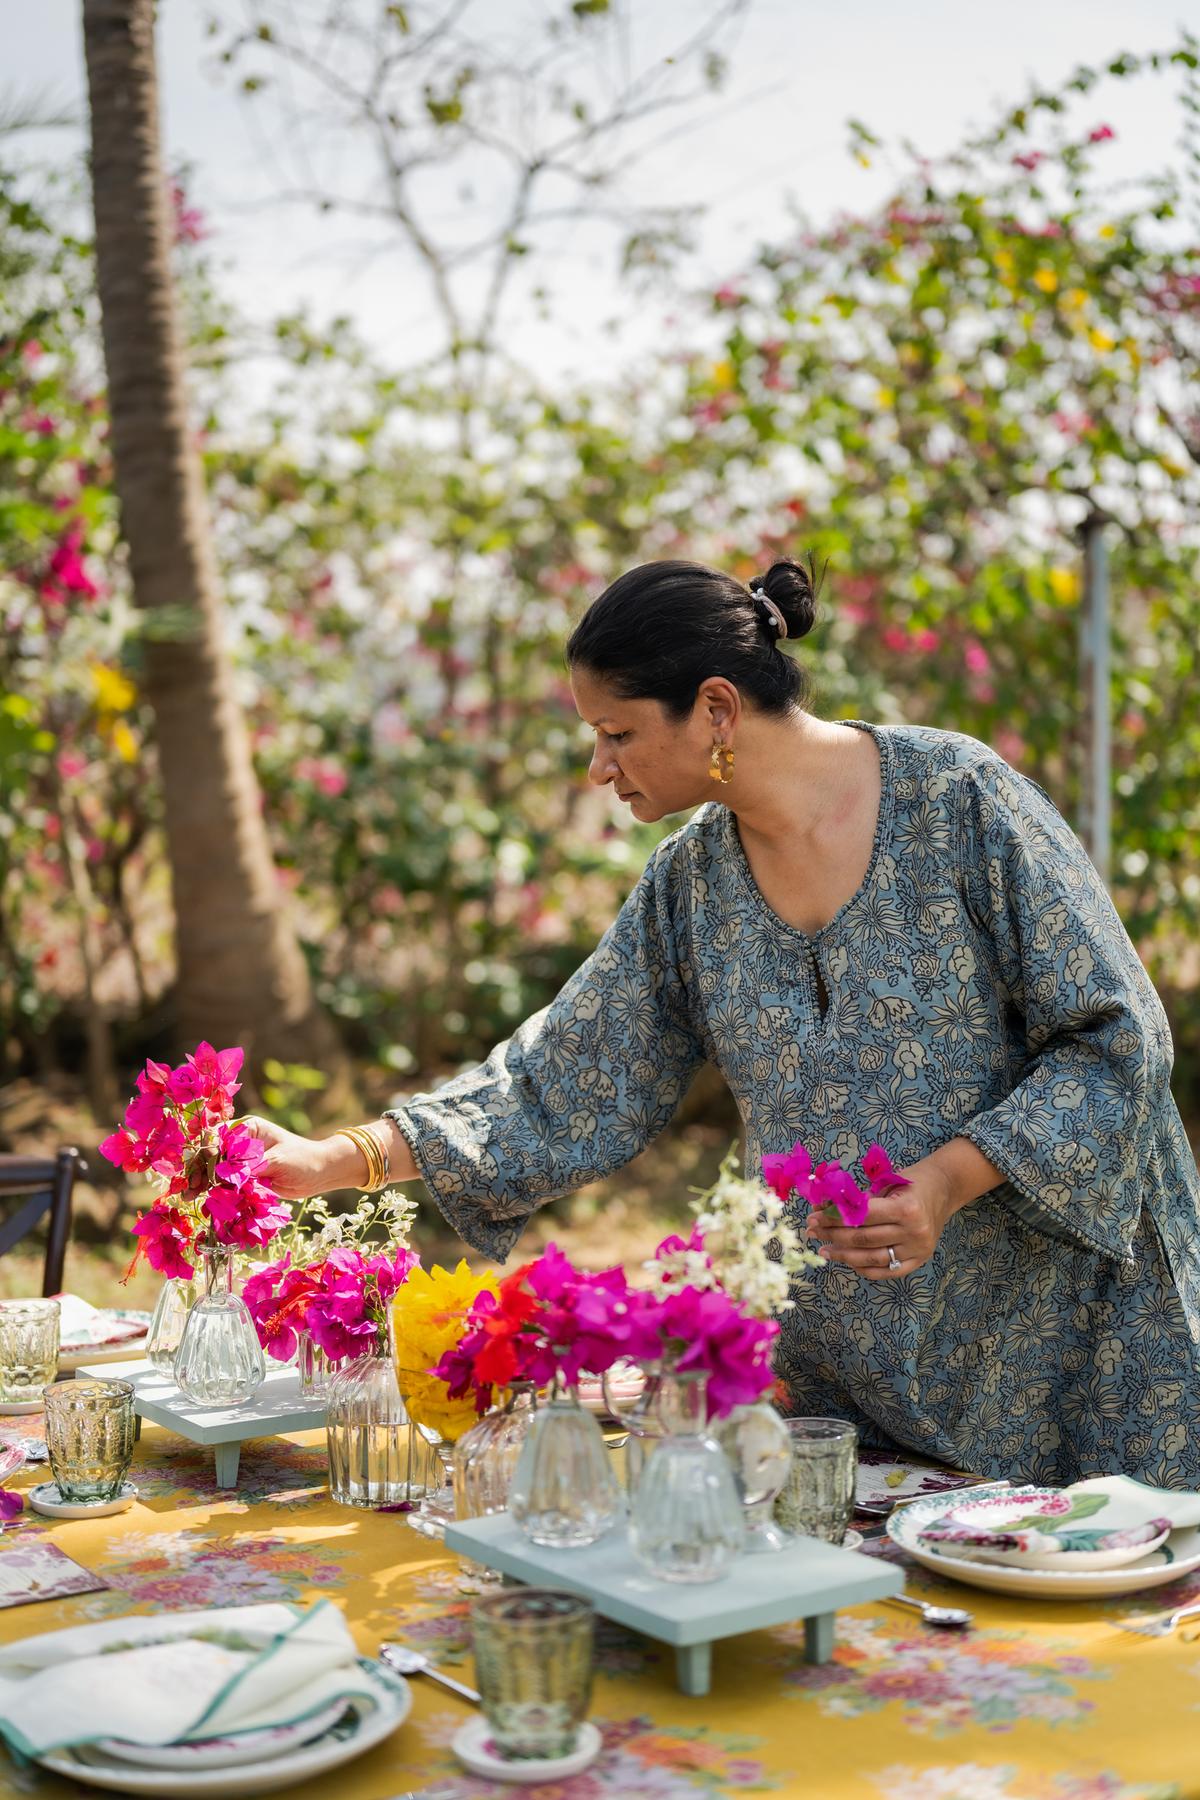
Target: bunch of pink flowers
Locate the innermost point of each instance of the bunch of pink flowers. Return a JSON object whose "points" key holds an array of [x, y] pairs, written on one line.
{"points": [[179, 1129], [341, 1301]]}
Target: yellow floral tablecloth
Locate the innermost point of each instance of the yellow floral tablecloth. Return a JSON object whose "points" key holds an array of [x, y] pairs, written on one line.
{"points": [[1038, 1702]]}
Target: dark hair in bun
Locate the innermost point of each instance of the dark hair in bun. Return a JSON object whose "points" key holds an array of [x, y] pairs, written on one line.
{"points": [[665, 627]]}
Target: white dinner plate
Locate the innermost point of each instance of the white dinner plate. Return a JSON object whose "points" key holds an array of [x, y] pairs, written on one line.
{"points": [[226, 1752], [356, 1732], [1179, 1555], [1055, 1528]]}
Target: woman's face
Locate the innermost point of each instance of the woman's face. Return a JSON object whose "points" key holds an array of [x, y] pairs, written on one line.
{"points": [[655, 763]]}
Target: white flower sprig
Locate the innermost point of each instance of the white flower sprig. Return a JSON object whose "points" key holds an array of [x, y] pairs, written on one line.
{"points": [[741, 1242], [315, 1231]]}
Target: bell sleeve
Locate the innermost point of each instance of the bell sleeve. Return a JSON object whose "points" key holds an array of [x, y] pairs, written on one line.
{"points": [[1089, 1043], [578, 1090]]}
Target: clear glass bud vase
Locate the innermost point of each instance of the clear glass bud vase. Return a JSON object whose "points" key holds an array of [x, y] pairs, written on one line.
{"points": [[485, 1458], [220, 1360], [685, 1517], [756, 1442], [166, 1324], [564, 1493], [377, 1457]]}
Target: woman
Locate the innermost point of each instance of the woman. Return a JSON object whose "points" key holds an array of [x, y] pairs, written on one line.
{"points": [[877, 933]]}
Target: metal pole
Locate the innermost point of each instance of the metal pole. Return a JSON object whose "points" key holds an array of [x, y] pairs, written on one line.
{"points": [[1094, 634]]}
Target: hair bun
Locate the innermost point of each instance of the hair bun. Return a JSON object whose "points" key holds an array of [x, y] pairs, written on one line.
{"points": [[793, 589]]}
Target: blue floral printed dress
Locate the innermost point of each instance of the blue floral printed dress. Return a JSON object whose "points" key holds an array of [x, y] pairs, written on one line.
{"points": [[978, 984]]}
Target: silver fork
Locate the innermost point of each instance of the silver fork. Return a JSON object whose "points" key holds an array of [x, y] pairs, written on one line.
{"points": [[1183, 1612]]}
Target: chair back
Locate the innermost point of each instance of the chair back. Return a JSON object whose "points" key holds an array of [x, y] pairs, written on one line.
{"points": [[48, 1182]]}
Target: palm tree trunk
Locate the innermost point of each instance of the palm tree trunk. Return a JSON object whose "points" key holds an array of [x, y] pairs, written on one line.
{"points": [[241, 973]]}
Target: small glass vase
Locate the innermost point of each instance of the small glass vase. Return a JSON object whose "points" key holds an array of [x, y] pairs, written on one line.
{"points": [[756, 1441], [686, 1521], [485, 1461], [167, 1321], [377, 1457], [564, 1492], [313, 1368], [639, 1417], [220, 1361]]}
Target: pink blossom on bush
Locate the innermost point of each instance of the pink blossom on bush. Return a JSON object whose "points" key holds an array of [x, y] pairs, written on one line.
{"points": [[976, 657], [1100, 134], [1029, 159]]}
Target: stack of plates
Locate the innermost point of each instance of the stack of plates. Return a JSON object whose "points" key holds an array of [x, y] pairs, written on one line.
{"points": [[1049, 1543], [99, 1334], [625, 1384], [250, 1762]]}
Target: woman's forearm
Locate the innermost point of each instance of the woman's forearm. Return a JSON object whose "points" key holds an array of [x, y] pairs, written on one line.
{"points": [[966, 1169]]}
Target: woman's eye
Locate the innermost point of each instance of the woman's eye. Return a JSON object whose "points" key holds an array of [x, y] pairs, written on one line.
{"points": [[616, 737]]}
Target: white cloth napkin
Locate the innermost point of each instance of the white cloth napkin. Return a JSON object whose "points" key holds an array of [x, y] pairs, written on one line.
{"points": [[1134, 1500], [174, 1676]]}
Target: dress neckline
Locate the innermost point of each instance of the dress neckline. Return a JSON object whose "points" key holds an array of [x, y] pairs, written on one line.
{"points": [[780, 927]]}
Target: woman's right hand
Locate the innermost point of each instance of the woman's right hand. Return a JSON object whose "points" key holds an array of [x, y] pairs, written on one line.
{"points": [[298, 1167]]}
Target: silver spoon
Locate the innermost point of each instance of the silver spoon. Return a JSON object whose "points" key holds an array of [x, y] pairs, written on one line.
{"points": [[955, 1618], [412, 1662]]}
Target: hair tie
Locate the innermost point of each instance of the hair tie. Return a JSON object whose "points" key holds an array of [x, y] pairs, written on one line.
{"points": [[776, 617]]}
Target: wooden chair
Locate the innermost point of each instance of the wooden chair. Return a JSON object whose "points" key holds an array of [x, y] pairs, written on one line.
{"points": [[48, 1181]]}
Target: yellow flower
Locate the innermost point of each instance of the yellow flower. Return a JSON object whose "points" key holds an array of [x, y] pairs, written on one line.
{"points": [[427, 1320], [1064, 585], [1100, 340], [886, 396], [1107, 231], [112, 691], [124, 742], [1046, 279]]}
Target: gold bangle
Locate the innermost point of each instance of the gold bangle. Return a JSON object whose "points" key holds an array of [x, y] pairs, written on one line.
{"points": [[373, 1156]]}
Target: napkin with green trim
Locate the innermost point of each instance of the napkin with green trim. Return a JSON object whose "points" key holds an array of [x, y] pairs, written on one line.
{"points": [[174, 1677]]}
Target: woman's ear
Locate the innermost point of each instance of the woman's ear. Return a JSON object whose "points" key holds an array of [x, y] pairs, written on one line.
{"points": [[719, 704]]}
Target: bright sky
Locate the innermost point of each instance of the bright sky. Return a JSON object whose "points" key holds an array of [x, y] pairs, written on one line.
{"points": [[931, 70]]}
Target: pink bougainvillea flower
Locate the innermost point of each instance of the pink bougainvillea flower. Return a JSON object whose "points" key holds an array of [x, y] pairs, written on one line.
{"points": [[706, 1331], [877, 1167], [11, 1506], [1029, 159], [832, 1186], [209, 1076], [1100, 134], [166, 1238], [789, 1173]]}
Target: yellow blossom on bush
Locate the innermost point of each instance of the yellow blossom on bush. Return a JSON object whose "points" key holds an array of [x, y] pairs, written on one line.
{"points": [[427, 1320]]}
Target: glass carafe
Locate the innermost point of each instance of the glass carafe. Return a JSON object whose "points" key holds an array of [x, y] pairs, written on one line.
{"points": [[686, 1520], [220, 1360], [564, 1491]]}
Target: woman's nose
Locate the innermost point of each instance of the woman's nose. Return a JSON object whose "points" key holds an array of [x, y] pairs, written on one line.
{"points": [[602, 767]]}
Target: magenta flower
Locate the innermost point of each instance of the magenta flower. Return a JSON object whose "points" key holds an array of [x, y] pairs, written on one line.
{"points": [[789, 1173], [704, 1330], [210, 1076], [11, 1506], [1100, 134], [881, 1176], [166, 1238]]}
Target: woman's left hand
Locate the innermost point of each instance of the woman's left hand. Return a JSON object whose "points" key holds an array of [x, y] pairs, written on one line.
{"points": [[909, 1220]]}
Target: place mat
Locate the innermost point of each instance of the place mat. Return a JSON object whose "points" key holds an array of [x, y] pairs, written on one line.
{"points": [[34, 1569]]}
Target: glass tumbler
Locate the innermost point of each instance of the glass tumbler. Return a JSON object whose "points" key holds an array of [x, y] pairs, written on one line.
{"points": [[28, 1352], [817, 1498], [533, 1667], [89, 1435]]}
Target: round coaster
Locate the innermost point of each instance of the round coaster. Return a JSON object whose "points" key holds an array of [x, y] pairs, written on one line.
{"points": [[473, 1746], [45, 1498], [12, 1408]]}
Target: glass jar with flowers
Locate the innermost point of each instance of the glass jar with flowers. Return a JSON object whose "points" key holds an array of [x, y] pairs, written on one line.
{"points": [[213, 1201], [329, 1296]]}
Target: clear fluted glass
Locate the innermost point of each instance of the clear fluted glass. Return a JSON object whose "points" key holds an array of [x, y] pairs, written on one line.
{"points": [[817, 1498], [220, 1361], [686, 1521], [313, 1367], [639, 1417], [29, 1338], [756, 1442], [89, 1438], [166, 1324], [377, 1457], [485, 1461], [564, 1492]]}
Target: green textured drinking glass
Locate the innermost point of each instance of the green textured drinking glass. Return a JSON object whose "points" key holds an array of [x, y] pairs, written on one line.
{"points": [[89, 1435], [533, 1667], [817, 1499], [28, 1351]]}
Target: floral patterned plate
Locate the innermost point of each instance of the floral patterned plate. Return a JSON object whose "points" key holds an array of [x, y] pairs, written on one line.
{"points": [[1178, 1555], [356, 1731], [1046, 1528], [226, 1752]]}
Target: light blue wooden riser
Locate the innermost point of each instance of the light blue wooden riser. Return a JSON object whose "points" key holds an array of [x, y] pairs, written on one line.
{"points": [[807, 1580], [277, 1407]]}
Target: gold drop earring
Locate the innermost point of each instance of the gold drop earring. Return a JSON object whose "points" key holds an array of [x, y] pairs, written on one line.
{"points": [[720, 766]]}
